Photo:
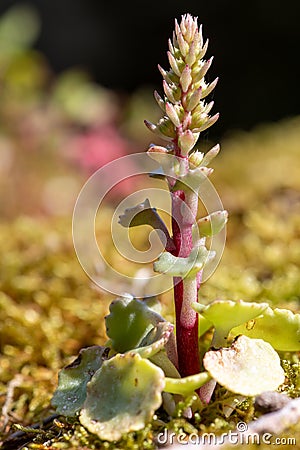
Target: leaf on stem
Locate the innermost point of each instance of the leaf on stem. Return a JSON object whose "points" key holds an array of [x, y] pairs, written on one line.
{"points": [[183, 267], [128, 323]]}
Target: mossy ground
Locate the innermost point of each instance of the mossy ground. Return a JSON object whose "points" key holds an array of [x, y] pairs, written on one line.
{"points": [[49, 309]]}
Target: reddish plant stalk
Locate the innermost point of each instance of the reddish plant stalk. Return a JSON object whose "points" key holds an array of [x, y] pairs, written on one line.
{"points": [[186, 330]]}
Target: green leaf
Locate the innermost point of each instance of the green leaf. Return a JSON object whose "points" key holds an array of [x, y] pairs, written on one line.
{"points": [[70, 394], [155, 340], [141, 214], [185, 386], [212, 224], [249, 367], [226, 314], [279, 327], [122, 396], [183, 267], [128, 322]]}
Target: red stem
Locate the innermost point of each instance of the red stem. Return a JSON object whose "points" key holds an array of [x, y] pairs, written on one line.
{"points": [[186, 335]]}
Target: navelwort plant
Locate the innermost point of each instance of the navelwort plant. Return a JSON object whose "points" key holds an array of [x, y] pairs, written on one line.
{"points": [[117, 388]]}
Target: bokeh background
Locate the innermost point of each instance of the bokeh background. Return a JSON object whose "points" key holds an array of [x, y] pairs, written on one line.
{"points": [[76, 82]]}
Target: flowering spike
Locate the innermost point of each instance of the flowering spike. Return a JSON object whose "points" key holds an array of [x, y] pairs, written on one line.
{"points": [[186, 115]]}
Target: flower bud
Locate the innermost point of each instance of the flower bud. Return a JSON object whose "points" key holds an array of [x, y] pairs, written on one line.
{"points": [[159, 101], [173, 64], [186, 142], [203, 70], [208, 123], [166, 127], [213, 223], [195, 158], [203, 50], [183, 45], [210, 155], [209, 88], [192, 54], [186, 78], [194, 99], [169, 92], [172, 114]]}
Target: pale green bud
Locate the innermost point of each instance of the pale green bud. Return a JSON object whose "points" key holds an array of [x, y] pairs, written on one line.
{"points": [[157, 149], [186, 78], [166, 127], [203, 50], [194, 100], [165, 74], [186, 142], [192, 54], [210, 155], [155, 129], [171, 48], [159, 101], [207, 108], [173, 64], [195, 158], [200, 73], [169, 92], [183, 45], [209, 88], [213, 223], [208, 123], [172, 114]]}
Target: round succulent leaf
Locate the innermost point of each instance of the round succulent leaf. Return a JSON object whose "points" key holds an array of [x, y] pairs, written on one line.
{"points": [[249, 367], [185, 386], [279, 327], [155, 340], [128, 322], [122, 396], [70, 394]]}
